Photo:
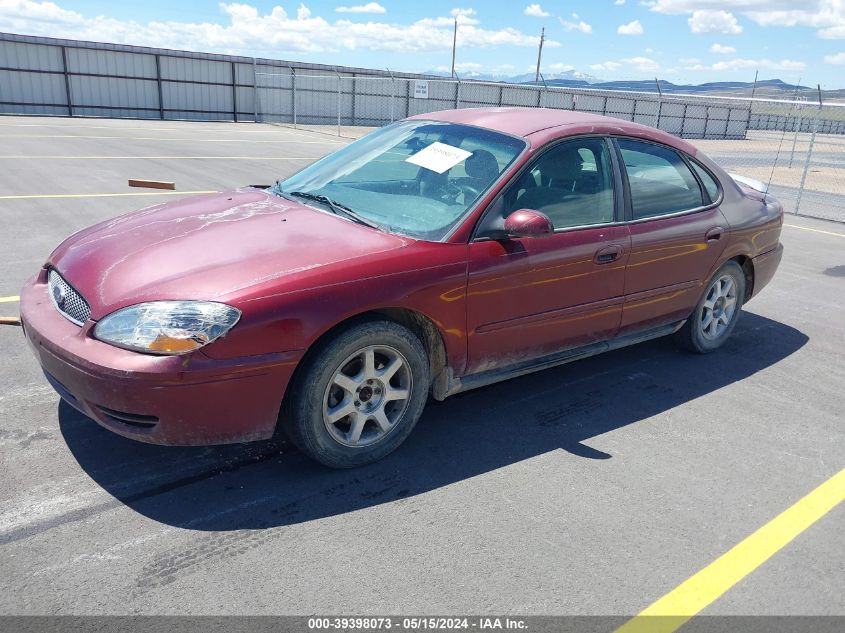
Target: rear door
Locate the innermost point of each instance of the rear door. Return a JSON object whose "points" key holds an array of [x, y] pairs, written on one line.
{"points": [[528, 297], [677, 235]]}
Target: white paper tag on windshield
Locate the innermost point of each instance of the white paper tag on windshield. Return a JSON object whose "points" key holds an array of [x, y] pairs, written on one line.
{"points": [[439, 157]]}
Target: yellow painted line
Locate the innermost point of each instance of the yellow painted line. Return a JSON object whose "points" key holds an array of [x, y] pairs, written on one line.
{"points": [[9, 299], [170, 139], [24, 156], [693, 595], [807, 228], [103, 195]]}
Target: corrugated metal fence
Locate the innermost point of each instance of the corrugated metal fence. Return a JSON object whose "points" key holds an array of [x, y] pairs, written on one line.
{"points": [[48, 76]]}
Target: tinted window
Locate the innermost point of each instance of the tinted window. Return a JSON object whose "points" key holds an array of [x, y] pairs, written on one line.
{"points": [[571, 183], [659, 179], [707, 180]]}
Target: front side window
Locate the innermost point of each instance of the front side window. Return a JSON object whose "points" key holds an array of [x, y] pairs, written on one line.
{"points": [[416, 178], [571, 183], [660, 181]]}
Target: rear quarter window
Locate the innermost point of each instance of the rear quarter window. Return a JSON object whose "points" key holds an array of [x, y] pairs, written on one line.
{"points": [[710, 184]]}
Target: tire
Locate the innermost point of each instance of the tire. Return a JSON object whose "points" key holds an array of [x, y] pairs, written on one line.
{"points": [[346, 406], [716, 313]]}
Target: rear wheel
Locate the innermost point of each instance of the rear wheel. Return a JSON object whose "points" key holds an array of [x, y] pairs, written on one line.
{"points": [[717, 312], [359, 396]]}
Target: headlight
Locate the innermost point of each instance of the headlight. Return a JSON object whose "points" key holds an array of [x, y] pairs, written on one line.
{"points": [[167, 327]]}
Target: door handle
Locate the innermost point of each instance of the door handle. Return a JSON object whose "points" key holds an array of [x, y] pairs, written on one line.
{"points": [[714, 234], [608, 254]]}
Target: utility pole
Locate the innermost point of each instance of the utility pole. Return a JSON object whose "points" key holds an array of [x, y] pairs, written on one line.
{"points": [[540, 54], [454, 44]]}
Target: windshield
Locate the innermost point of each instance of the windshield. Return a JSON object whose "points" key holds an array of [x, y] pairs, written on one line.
{"points": [[417, 178]]}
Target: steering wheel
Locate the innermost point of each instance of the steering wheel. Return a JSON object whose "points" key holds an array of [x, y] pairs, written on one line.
{"points": [[470, 192], [453, 191]]}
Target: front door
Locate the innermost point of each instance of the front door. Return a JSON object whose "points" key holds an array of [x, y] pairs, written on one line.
{"points": [[528, 297]]}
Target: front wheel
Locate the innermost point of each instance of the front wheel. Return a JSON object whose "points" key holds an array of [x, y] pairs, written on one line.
{"points": [[359, 395], [717, 312]]}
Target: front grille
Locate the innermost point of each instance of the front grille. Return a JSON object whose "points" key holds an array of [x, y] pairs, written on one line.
{"points": [[67, 300]]}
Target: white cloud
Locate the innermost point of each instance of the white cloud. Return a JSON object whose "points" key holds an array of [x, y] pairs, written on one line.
{"points": [[722, 50], [535, 10], [632, 28], [642, 64], [606, 66], [714, 22], [246, 30], [638, 64], [828, 16], [560, 67], [784, 65], [833, 33], [837, 59], [575, 26], [741, 64], [370, 7], [619, 3]]}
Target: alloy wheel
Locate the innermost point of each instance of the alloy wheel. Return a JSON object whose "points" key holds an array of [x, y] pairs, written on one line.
{"points": [[367, 395], [718, 308]]}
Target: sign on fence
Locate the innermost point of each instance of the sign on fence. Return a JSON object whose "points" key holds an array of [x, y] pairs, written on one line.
{"points": [[420, 89]]}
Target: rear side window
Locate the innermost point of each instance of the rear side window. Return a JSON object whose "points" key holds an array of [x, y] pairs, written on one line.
{"points": [[707, 180], [659, 179]]}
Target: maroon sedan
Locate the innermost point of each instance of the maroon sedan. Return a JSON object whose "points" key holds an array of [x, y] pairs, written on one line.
{"points": [[442, 253]]}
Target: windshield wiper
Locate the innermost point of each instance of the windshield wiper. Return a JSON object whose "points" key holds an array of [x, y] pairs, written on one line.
{"points": [[336, 207]]}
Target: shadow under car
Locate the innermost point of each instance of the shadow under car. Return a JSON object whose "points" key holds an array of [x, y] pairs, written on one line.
{"points": [[266, 484]]}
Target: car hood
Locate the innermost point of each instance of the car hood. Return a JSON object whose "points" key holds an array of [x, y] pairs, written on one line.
{"points": [[209, 247]]}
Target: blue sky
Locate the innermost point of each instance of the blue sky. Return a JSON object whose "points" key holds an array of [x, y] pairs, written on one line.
{"points": [[678, 40]]}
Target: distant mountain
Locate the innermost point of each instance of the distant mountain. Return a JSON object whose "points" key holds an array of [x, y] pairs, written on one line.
{"points": [[774, 88], [737, 88], [569, 75]]}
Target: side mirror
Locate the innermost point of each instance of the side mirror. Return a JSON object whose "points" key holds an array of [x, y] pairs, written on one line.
{"points": [[528, 223]]}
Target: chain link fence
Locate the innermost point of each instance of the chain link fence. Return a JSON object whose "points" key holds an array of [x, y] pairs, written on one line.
{"points": [[796, 146]]}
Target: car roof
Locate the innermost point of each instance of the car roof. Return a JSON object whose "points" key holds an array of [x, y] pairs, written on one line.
{"points": [[527, 121]]}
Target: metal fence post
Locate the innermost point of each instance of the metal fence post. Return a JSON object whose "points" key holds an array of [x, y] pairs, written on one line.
{"points": [[540, 92], [158, 82], [392, 95], [293, 93], [338, 102], [353, 94], [67, 82], [807, 160], [255, 89], [795, 138], [660, 105], [457, 92], [234, 92]]}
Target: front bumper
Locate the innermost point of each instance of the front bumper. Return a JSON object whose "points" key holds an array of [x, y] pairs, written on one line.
{"points": [[174, 400]]}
